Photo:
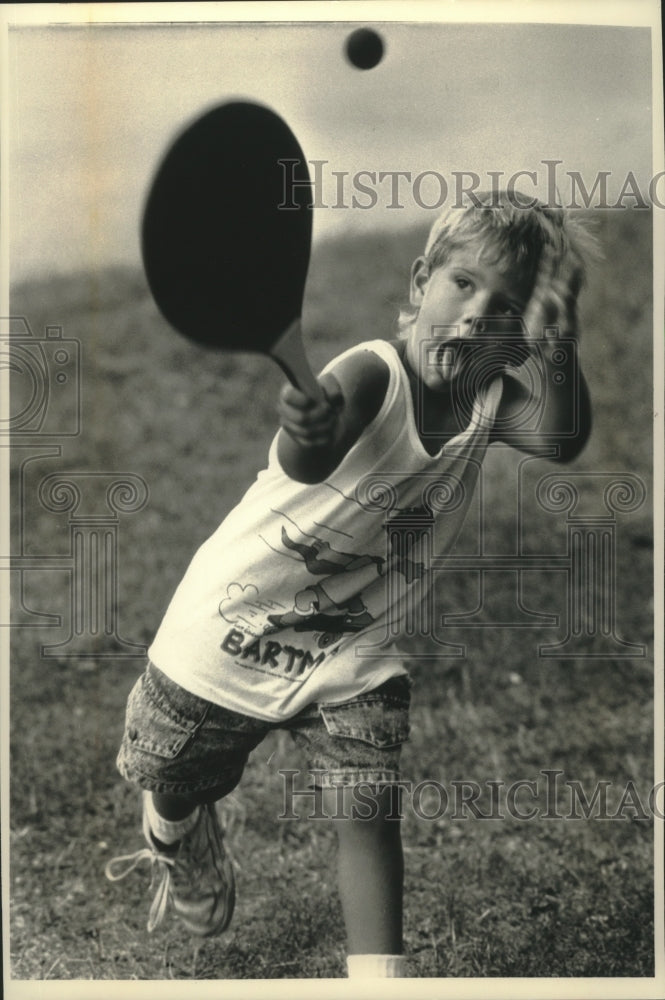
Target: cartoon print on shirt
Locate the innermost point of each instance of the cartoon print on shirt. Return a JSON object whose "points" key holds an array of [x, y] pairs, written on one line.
{"points": [[347, 597], [335, 606], [325, 606], [250, 614]]}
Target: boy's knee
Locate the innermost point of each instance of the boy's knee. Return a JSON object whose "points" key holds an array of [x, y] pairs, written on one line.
{"points": [[176, 806]]}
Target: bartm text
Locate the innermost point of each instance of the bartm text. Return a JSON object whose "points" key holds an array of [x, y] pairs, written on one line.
{"points": [[264, 652]]}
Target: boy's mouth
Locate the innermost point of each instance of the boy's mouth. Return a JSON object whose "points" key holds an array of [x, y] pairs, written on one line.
{"points": [[451, 357], [448, 357]]}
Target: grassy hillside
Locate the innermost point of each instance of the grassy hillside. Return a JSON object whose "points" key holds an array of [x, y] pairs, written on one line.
{"points": [[484, 898]]}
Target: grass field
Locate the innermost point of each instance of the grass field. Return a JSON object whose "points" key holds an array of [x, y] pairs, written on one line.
{"points": [[484, 897]]}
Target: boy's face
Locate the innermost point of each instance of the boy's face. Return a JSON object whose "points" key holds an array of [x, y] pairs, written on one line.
{"points": [[463, 289]]}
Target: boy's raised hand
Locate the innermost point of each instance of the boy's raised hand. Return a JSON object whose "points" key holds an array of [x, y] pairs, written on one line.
{"points": [[553, 301], [564, 419], [312, 424]]}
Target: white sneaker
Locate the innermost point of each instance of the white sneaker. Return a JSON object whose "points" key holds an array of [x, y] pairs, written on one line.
{"points": [[195, 875]]}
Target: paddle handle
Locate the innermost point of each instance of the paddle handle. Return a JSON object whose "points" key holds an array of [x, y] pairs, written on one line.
{"points": [[289, 353]]}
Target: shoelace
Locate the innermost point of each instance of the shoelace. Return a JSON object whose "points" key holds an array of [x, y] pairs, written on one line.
{"points": [[118, 868]]}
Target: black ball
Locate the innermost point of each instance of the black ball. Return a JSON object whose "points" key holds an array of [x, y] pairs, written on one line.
{"points": [[364, 48]]}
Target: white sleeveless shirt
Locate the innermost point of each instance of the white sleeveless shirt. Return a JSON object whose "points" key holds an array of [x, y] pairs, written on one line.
{"points": [[298, 596]]}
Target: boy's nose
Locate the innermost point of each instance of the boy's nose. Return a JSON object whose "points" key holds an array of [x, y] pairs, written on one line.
{"points": [[477, 308]]}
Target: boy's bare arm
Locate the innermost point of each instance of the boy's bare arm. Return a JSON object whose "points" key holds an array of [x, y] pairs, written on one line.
{"points": [[563, 421], [551, 378], [315, 437]]}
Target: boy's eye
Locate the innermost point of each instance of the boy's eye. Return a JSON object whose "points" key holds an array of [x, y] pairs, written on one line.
{"points": [[462, 283]]}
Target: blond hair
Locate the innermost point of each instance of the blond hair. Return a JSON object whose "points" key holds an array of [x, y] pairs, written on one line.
{"points": [[512, 228]]}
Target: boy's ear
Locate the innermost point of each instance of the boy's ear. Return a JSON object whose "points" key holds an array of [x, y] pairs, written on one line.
{"points": [[419, 279]]}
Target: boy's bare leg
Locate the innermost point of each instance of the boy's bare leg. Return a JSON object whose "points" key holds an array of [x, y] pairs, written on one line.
{"points": [[172, 816], [370, 872], [174, 807], [177, 808]]}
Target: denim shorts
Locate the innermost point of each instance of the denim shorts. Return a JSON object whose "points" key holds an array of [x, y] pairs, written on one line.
{"points": [[177, 743]]}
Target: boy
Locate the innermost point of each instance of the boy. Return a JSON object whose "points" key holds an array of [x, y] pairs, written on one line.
{"points": [[285, 616]]}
